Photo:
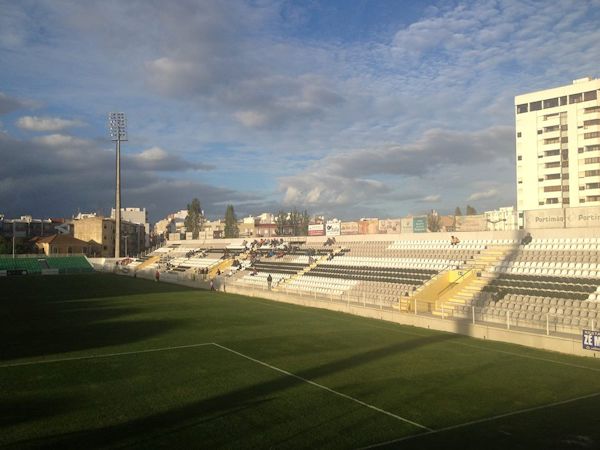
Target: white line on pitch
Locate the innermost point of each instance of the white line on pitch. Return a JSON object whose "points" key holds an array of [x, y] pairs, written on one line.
{"points": [[487, 419], [105, 355], [320, 386]]}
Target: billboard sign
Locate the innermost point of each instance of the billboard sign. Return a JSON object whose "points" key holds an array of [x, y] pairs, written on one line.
{"points": [[419, 224], [332, 229], [591, 340], [316, 229], [349, 227]]}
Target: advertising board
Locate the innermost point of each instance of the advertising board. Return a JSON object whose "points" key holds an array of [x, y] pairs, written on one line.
{"points": [[332, 229], [591, 340], [419, 224], [316, 229]]}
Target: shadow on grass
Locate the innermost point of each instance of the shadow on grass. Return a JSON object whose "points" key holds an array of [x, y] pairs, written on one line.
{"points": [[36, 322], [196, 413], [21, 410], [570, 426], [47, 289]]}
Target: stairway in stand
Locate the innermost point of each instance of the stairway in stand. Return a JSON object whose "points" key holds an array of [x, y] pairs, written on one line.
{"points": [[479, 277]]}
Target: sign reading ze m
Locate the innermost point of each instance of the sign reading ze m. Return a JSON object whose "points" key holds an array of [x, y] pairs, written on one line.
{"points": [[591, 340]]}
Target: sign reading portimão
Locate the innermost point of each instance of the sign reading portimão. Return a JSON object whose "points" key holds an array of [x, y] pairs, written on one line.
{"points": [[577, 217]]}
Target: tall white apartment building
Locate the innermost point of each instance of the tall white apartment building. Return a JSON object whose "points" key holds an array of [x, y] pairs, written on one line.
{"points": [[558, 146]]}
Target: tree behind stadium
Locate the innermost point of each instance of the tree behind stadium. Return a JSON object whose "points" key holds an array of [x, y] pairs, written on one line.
{"points": [[231, 227], [195, 218]]}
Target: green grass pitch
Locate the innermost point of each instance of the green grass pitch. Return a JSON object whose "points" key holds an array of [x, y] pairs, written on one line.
{"points": [[104, 361]]}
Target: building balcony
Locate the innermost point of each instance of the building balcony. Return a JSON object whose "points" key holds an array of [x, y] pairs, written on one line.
{"points": [[548, 142], [549, 135]]}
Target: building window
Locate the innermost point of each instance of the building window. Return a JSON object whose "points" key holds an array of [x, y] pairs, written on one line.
{"points": [[551, 103], [575, 98], [563, 100], [591, 109], [552, 153], [551, 165], [592, 135], [592, 173], [590, 95], [594, 160], [552, 188], [552, 128], [564, 127], [593, 198], [566, 201], [552, 201], [553, 176], [580, 150], [519, 134], [592, 148], [550, 140], [564, 140], [522, 108], [588, 123], [592, 186], [535, 106], [519, 158]]}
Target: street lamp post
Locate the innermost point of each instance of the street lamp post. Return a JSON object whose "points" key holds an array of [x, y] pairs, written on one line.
{"points": [[117, 124]]}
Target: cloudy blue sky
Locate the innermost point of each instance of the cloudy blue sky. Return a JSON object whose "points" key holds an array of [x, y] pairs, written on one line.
{"points": [[348, 108]]}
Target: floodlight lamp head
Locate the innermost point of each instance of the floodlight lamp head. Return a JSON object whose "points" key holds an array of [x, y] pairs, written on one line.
{"points": [[117, 125]]}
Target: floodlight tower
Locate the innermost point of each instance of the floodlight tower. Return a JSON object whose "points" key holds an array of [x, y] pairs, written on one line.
{"points": [[117, 124]]}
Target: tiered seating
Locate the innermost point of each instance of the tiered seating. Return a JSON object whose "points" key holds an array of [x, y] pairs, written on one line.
{"points": [[184, 264], [69, 264], [288, 264], [260, 280], [320, 285], [31, 265], [532, 311], [35, 264], [554, 279], [555, 268]]}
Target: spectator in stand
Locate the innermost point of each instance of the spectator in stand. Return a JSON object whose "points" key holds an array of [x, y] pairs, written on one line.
{"points": [[527, 239], [269, 281]]}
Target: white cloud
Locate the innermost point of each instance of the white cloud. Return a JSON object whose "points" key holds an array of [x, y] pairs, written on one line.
{"points": [[491, 193], [153, 154], [34, 123], [432, 198], [61, 140]]}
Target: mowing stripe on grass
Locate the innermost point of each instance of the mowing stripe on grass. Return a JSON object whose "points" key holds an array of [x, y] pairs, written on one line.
{"points": [[487, 419], [320, 386], [105, 355]]}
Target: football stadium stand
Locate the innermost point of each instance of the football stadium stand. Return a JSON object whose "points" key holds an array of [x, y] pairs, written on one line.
{"points": [[551, 282], [36, 264]]}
